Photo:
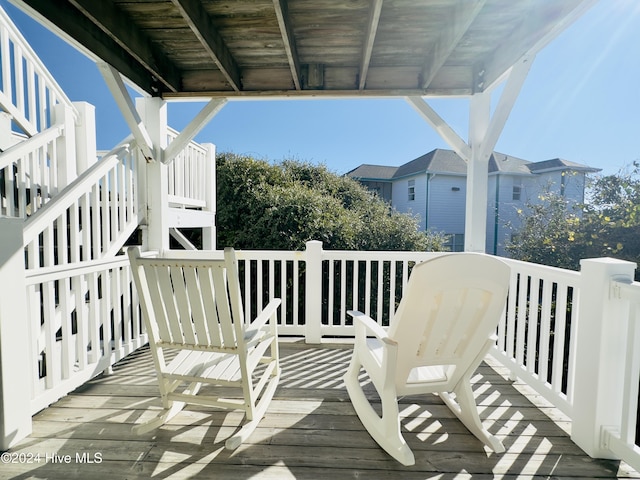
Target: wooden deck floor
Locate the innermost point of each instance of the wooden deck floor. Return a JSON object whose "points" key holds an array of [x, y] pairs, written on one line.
{"points": [[310, 431]]}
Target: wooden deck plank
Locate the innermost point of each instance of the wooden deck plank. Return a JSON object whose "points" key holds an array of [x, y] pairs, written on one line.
{"points": [[310, 431]]}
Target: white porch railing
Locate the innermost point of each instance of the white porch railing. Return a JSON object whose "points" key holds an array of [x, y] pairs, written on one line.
{"points": [[28, 92], [189, 178], [318, 286], [620, 437], [536, 337], [84, 317], [83, 313]]}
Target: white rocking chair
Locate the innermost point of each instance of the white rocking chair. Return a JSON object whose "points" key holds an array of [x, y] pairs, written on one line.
{"points": [[194, 306], [442, 329]]}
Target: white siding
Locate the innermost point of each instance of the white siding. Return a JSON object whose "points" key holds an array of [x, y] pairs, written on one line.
{"points": [[400, 197], [447, 197], [508, 217]]}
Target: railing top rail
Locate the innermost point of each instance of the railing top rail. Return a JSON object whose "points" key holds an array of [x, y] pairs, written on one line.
{"points": [[561, 274], [280, 255], [378, 255], [13, 153], [28, 52], [58, 272]]}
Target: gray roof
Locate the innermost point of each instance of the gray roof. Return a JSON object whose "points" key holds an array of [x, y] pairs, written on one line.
{"points": [[435, 161], [447, 161], [378, 172], [559, 164]]}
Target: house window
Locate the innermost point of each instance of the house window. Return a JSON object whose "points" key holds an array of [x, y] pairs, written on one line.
{"points": [[517, 192], [455, 242], [412, 190]]}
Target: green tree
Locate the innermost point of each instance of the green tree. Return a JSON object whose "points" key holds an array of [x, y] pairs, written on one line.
{"points": [[548, 233], [611, 222], [282, 206], [608, 224]]}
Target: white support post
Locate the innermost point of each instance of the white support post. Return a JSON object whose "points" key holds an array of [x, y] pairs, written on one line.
{"points": [[313, 288], [66, 145], [599, 355], [15, 374], [209, 233], [86, 150], [475, 221], [153, 112], [484, 131], [5, 131]]}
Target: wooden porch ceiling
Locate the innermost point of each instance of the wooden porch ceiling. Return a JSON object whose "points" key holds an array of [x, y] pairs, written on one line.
{"points": [[206, 48]]}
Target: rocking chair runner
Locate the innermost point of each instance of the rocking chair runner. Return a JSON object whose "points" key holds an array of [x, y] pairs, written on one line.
{"points": [[443, 328], [194, 306]]}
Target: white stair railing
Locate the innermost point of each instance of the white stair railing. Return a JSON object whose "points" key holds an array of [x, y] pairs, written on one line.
{"points": [[91, 218], [28, 92], [83, 309], [29, 173]]}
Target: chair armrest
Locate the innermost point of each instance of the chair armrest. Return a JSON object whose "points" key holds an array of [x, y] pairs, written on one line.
{"points": [[264, 316], [371, 327]]}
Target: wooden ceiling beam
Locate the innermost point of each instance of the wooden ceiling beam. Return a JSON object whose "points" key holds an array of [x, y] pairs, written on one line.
{"points": [[370, 37], [201, 25], [114, 23], [63, 17], [463, 14], [282, 13]]}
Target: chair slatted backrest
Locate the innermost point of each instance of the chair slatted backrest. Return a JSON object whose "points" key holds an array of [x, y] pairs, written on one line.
{"points": [[191, 301], [451, 307]]}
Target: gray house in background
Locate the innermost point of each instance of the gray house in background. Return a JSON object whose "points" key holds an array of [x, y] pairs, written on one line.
{"points": [[433, 187]]}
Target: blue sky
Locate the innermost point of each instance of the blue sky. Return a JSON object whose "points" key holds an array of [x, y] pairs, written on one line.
{"points": [[581, 102]]}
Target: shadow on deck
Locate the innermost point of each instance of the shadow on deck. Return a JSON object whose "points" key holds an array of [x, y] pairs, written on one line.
{"points": [[310, 431]]}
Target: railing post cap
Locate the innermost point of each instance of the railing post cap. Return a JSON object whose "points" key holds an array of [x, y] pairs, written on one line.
{"points": [[606, 262]]}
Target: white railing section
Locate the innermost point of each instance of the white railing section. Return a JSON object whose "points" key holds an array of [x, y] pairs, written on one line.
{"points": [[620, 438], [91, 218], [188, 174], [28, 92], [84, 311], [268, 274], [371, 282], [29, 174], [536, 337], [317, 286], [83, 318], [83, 308]]}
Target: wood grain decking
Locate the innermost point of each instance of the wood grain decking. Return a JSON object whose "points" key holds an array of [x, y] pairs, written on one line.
{"points": [[310, 431]]}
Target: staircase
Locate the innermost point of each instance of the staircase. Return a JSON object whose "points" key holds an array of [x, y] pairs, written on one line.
{"points": [[77, 212]]}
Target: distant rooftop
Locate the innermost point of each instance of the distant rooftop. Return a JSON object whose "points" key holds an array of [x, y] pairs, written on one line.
{"points": [[447, 161]]}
